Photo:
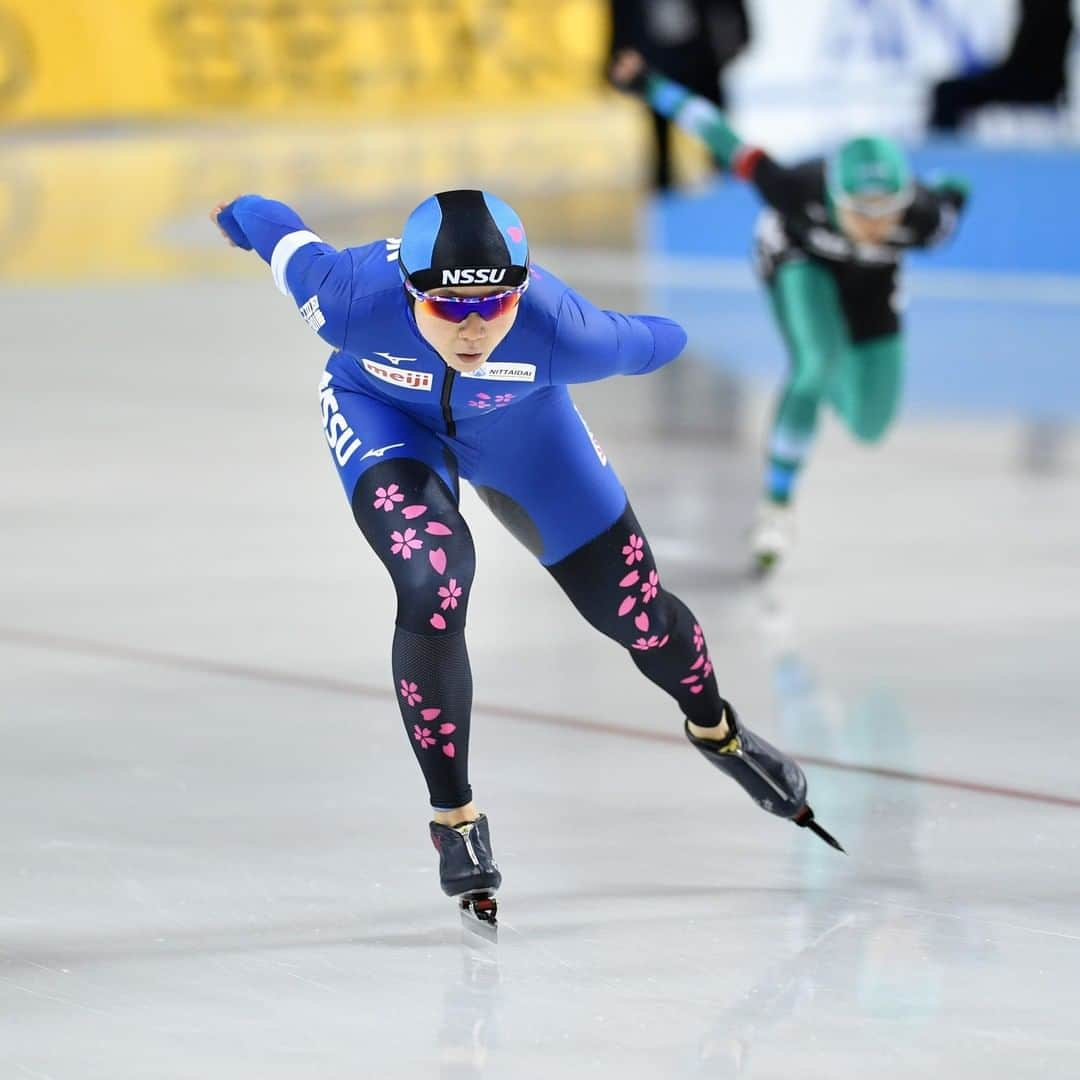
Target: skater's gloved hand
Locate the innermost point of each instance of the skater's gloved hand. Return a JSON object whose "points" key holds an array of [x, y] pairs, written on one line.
{"points": [[222, 217], [951, 184], [629, 72]]}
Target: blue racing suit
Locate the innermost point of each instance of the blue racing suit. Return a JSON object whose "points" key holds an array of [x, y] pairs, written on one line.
{"points": [[510, 427], [402, 426]]}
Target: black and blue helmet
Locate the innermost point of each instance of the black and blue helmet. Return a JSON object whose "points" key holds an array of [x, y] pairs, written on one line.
{"points": [[463, 238]]}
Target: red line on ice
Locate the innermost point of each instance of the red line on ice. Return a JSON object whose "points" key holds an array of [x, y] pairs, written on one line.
{"points": [[325, 684]]}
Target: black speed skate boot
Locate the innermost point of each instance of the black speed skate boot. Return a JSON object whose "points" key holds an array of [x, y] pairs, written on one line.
{"points": [[467, 869], [772, 779]]}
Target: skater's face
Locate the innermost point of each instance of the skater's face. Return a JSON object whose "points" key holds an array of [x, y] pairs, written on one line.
{"points": [[867, 225], [465, 345]]}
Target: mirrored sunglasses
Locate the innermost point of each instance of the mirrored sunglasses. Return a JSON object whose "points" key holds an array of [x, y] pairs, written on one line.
{"points": [[456, 309]]}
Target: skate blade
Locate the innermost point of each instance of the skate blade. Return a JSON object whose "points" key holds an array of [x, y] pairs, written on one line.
{"points": [[479, 916], [805, 820]]}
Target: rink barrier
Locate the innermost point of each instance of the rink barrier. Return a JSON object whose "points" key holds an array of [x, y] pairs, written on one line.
{"points": [[1020, 219], [991, 318]]}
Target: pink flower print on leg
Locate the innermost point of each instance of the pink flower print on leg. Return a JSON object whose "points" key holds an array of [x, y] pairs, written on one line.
{"points": [[437, 558], [641, 621], [423, 736], [627, 605], [699, 638], [405, 543], [651, 642], [444, 729], [387, 498], [632, 549], [414, 511], [703, 667], [650, 588], [437, 621], [437, 528], [450, 593], [410, 692]]}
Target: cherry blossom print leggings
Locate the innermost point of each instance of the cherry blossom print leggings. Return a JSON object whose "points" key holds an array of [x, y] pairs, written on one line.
{"points": [[580, 526]]}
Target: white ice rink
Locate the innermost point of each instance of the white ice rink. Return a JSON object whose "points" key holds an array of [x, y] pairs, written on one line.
{"points": [[213, 837]]}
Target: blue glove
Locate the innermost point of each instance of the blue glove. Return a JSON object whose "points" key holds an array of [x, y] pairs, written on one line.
{"points": [[231, 227]]}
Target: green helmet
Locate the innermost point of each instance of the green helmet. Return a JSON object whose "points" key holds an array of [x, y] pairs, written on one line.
{"points": [[872, 173]]}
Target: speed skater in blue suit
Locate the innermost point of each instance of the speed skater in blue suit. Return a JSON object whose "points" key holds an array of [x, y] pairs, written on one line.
{"points": [[453, 355]]}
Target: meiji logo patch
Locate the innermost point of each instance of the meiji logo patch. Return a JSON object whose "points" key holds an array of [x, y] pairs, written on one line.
{"points": [[409, 380], [503, 372], [487, 276], [312, 314]]}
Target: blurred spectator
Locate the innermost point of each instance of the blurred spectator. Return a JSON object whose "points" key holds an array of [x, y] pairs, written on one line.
{"points": [[1033, 71], [692, 41]]}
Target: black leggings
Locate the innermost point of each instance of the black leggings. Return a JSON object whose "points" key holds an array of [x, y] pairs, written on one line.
{"points": [[412, 521]]}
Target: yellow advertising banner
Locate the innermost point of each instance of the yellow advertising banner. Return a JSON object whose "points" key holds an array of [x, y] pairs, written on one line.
{"points": [[104, 59]]}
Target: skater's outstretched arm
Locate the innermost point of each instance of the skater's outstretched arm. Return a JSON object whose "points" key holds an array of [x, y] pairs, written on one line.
{"points": [[592, 344], [317, 276], [781, 187]]}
